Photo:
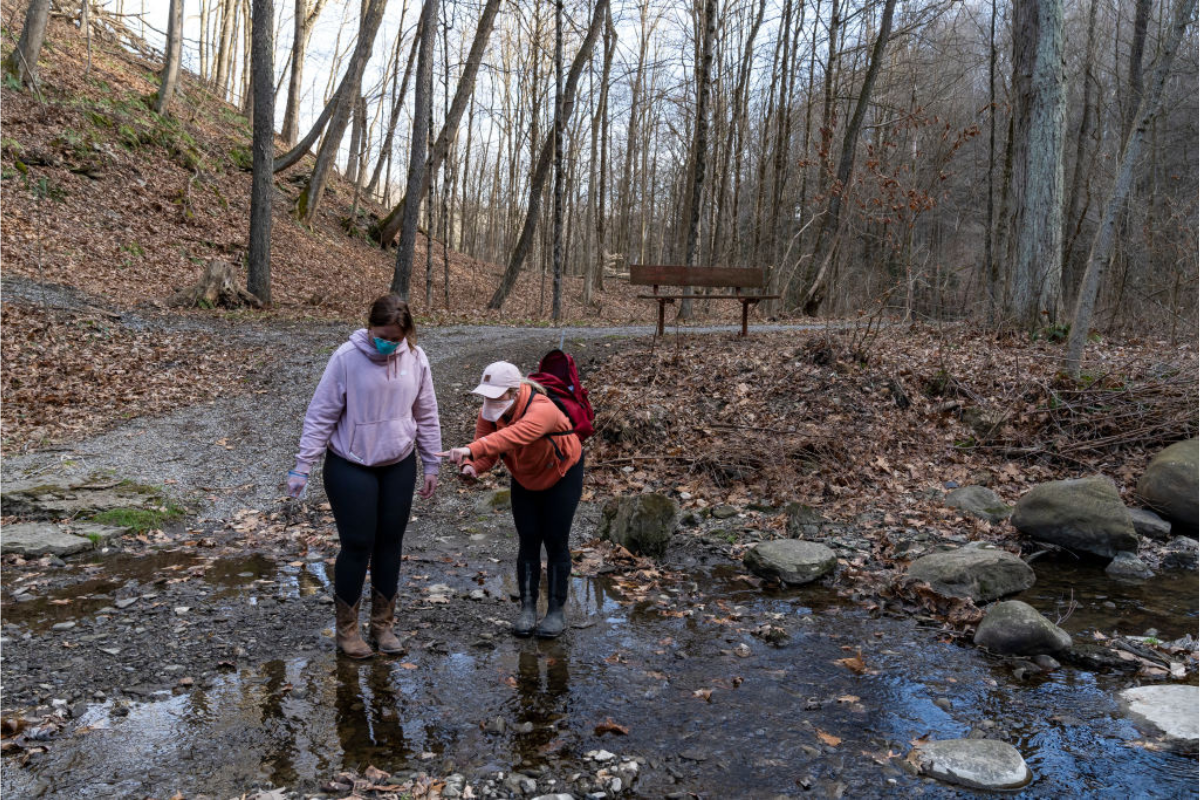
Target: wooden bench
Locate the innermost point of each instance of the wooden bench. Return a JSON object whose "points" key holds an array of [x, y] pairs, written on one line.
{"points": [[736, 278]]}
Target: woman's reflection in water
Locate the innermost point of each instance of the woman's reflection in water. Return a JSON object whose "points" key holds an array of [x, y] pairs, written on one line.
{"points": [[369, 716], [543, 686]]}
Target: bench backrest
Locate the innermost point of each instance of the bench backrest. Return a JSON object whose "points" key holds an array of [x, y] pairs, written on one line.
{"points": [[663, 275]]}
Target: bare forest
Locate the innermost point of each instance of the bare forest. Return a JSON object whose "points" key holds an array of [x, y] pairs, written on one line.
{"points": [[864, 154]]}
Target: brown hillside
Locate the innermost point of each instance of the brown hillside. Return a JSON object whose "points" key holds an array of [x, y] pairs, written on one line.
{"points": [[103, 194]]}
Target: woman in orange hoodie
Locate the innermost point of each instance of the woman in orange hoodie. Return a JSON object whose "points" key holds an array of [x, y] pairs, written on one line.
{"points": [[521, 426]]}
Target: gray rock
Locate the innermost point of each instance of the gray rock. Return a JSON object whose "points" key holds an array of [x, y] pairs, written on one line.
{"points": [[792, 561], [1128, 567], [499, 500], [724, 512], [974, 763], [1150, 525], [1084, 514], [40, 499], [642, 524], [1170, 485], [980, 572], [1017, 628], [980, 501], [1169, 711], [1182, 553], [40, 538], [803, 521]]}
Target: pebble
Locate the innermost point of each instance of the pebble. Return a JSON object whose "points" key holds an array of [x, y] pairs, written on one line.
{"points": [[62, 626], [181, 610], [126, 603]]}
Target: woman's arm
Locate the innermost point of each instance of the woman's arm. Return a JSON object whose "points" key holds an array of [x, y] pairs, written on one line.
{"points": [[535, 423], [324, 410], [482, 428], [425, 414]]}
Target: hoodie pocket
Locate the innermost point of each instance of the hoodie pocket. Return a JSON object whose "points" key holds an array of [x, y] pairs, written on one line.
{"points": [[382, 442]]}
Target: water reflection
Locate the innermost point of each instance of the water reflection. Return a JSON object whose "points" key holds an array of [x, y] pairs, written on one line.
{"points": [[542, 700], [369, 715]]}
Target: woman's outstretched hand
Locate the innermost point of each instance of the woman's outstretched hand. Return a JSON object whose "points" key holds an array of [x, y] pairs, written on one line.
{"points": [[456, 455], [468, 472], [429, 487]]}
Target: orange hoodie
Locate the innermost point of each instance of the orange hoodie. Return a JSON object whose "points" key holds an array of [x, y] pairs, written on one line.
{"points": [[522, 442]]}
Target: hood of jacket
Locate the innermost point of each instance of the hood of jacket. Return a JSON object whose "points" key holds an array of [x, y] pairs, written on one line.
{"points": [[365, 344]]}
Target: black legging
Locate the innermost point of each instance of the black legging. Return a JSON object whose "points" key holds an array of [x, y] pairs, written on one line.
{"points": [[371, 506], [544, 517]]}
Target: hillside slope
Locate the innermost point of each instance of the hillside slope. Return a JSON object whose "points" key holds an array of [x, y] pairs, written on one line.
{"points": [[104, 195]]}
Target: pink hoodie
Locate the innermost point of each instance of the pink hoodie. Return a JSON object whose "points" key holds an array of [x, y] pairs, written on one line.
{"points": [[372, 409]]}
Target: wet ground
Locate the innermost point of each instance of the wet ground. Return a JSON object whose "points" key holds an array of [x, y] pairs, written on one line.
{"points": [[203, 663], [711, 708]]}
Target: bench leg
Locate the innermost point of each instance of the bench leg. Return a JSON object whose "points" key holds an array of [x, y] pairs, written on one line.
{"points": [[745, 315], [662, 313]]}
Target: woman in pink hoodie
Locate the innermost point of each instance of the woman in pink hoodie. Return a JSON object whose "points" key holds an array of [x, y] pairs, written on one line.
{"points": [[373, 410]]}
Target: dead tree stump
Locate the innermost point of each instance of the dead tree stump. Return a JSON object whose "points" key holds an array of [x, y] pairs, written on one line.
{"points": [[218, 287]]}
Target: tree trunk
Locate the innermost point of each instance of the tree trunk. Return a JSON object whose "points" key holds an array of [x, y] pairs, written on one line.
{"points": [[306, 14], [344, 101], [1039, 116], [700, 150], [594, 265], [1102, 245], [262, 187], [22, 61], [391, 224], [398, 95], [422, 105], [823, 255], [170, 72], [224, 52], [538, 182], [989, 256], [1074, 218], [556, 294], [217, 288]]}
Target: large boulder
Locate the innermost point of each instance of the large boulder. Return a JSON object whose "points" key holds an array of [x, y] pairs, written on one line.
{"points": [[1170, 485], [1166, 711], [975, 763], [981, 502], [791, 561], [642, 524], [1085, 515], [803, 521], [41, 499], [978, 571], [47, 538], [1017, 628]]}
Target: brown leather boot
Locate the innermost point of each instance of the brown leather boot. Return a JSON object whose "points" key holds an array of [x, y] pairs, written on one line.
{"points": [[383, 617], [349, 638]]}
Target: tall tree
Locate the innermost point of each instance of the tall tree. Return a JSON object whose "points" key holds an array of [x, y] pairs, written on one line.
{"points": [[170, 71], [21, 63], [700, 146], [306, 14], [1102, 245], [262, 183], [422, 109], [538, 182], [1039, 117], [825, 248], [390, 225], [347, 96], [399, 92], [225, 50], [556, 295]]}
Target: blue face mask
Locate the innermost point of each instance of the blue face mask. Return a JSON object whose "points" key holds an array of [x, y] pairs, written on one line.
{"points": [[385, 347]]}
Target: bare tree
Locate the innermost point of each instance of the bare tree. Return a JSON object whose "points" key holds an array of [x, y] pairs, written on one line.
{"points": [[347, 95], [556, 295], [700, 146], [538, 183], [1039, 118], [170, 71], [1102, 245], [262, 183], [422, 105], [306, 14], [21, 63]]}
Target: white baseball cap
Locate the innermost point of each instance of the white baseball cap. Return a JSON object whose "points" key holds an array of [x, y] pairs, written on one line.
{"points": [[498, 378]]}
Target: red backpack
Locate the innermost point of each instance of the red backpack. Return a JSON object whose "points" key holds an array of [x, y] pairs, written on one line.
{"points": [[557, 372]]}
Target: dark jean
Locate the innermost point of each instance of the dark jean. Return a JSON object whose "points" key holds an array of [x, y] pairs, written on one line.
{"points": [[544, 517]]}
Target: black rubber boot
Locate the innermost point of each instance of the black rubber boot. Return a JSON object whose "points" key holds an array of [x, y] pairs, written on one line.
{"points": [[558, 581], [529, 576]]}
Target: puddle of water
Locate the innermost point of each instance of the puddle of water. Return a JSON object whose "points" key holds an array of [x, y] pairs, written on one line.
{"points": [[296, 721], [1167, 602]]}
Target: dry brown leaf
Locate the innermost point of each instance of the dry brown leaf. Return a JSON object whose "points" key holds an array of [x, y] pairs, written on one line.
{"points": [[828, 738]]}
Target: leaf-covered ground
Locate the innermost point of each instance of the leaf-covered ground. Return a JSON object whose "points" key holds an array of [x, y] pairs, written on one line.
{"points": [[861, 420]]}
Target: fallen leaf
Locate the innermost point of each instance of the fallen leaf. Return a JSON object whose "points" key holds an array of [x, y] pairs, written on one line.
{"points": [[408, 665], [854, 663], [828, 738], [703, 693], [608, 726], [849, 698]]}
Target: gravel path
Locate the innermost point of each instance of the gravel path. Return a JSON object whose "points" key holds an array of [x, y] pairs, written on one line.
{"points": [[232, 453]]}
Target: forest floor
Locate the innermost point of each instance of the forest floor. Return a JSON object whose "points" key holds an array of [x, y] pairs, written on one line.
{"points": [[194, 658]]}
